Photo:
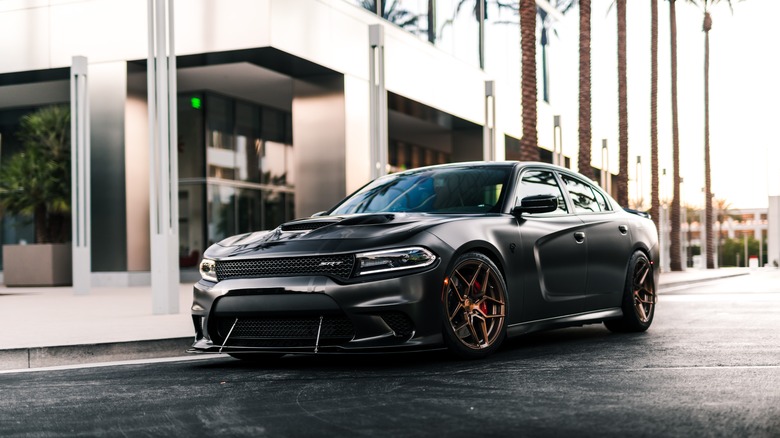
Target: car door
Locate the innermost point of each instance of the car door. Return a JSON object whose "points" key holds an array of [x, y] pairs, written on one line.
{"points": [[609, 243], [554, 254]]}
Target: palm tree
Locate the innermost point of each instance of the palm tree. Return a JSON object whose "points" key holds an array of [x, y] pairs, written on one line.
{"points": [[706, 26], [547, 23], [529, 149], [36, 181], [622, 185], [391, 11], [655, 202], [675, 258], [584, 134]]}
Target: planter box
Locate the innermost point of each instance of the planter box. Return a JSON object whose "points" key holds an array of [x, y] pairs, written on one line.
{"points": [[45, 264]]}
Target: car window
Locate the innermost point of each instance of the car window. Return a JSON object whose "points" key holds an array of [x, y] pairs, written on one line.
{"points": [[603, 203], [582, 195], [541, 182], [454, 190]]}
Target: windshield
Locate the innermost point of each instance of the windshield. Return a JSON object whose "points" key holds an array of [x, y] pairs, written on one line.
{"points": [[432, 190]]}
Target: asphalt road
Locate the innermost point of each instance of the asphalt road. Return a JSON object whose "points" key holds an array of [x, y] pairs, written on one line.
{"points": [[709, 366]]}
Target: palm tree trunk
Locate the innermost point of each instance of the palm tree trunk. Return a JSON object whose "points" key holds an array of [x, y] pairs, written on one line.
{"points": [[529, 149], [675, 258], [708, 228], [41, 225], [584, 156], [655, 202], [622, 186]]}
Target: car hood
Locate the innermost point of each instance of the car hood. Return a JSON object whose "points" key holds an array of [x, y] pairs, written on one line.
{"points": [[328, 234]]}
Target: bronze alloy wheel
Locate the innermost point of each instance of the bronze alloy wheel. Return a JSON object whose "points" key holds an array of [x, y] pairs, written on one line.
{"points": [[639, 297], [643, 290], [474, 298]]}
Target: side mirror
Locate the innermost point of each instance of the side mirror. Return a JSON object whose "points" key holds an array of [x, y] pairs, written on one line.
{"points": [[536, 204]]}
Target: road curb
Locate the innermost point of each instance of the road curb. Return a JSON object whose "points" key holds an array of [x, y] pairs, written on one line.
{"points": [[699, 280], [39, 357]]}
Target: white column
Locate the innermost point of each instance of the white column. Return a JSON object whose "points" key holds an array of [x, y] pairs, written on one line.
{"points": [[489, 131], [378, 100], [80, 176], [773, 233], [163, 163]]}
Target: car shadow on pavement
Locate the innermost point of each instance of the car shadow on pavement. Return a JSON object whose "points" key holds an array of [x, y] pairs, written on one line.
{"points": [[560, 342]]}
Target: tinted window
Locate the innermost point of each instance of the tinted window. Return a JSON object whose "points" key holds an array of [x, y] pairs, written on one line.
{"points": [[541, 182], [582, 195], [602, 201], [439, 190]]}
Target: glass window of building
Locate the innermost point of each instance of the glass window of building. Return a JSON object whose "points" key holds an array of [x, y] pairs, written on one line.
{"points": [[235, 168]]}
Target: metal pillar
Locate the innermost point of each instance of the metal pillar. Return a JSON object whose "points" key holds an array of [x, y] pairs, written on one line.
{"points": [[163, 163], [773, 233], [80, 196], [558, 142], [489, 131], [377, 100], [606, 180]]}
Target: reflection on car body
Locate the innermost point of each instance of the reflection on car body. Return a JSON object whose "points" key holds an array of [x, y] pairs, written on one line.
{"points": [[458, 256]]}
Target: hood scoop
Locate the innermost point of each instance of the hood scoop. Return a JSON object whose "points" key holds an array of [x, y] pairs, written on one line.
{"points": [[307, 225], [368, 219]]}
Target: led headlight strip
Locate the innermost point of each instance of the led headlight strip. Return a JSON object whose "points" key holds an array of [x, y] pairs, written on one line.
{"points": [[394, 260]]}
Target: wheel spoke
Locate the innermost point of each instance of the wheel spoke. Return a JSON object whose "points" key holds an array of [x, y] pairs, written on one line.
{"points": [[485, 282], [455, 312], [476, 274], [642, 272], [485, 338], [489, 298], [640, 308], [473, 332], [454, 287]]}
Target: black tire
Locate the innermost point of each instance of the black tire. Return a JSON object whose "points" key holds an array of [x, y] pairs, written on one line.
{"points": [[639, 297], [474, 307]]}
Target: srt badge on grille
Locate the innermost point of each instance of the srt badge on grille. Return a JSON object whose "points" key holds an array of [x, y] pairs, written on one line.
{"points": [[330, 263]]}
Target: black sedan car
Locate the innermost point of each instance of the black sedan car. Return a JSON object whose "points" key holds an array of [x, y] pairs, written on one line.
{"points": [[458, 256]]}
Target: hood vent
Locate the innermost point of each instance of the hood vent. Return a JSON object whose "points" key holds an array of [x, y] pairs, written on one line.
{"points": [[368, 219], [306, 225]]}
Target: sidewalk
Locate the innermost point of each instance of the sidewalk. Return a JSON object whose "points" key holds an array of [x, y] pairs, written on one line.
{"points": [[53, 326]]}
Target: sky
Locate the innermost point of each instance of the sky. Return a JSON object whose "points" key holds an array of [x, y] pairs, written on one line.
{"points": [[744, 96]]}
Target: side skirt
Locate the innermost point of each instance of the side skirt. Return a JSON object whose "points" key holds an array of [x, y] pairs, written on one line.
{"points": [[577, 319]]}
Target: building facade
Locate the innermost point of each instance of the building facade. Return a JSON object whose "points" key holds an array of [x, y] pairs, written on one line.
{"points": [[274, 105]]}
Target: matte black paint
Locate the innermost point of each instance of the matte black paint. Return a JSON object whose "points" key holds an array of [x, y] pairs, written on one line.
{"points": [[564, 269]]}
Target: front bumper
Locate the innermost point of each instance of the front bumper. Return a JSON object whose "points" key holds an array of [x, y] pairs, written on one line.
{"points": [[308, 314]]}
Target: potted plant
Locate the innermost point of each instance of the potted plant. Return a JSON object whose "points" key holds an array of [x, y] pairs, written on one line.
{"points": [[36, 182]]}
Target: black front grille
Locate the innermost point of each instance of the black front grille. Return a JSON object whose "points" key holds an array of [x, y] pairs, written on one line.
{"points": [[339, 266], [284, 332]]}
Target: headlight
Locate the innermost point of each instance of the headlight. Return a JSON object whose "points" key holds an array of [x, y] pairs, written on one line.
{"points": [[208, 270], [394, 260]]}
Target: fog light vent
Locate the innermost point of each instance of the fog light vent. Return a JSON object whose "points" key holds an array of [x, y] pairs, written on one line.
{"points": [[402, 325]]}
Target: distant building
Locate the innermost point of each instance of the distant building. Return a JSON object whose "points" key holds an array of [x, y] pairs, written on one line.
{"points": [[273, 105], [732, 224]]}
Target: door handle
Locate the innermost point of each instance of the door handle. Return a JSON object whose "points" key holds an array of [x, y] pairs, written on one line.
{"points": [[579, 236], [623, 229]]}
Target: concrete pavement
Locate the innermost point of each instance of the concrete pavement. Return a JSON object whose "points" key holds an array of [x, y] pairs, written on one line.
{"points": [[52, 326]]}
